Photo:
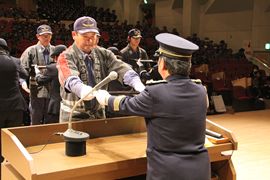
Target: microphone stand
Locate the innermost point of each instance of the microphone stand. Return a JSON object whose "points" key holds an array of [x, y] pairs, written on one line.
{"points": [[78, 102], [76, 140]]}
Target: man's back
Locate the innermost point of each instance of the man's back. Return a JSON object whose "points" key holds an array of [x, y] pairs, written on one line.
{"points": [[8, 75], [10, 96]]}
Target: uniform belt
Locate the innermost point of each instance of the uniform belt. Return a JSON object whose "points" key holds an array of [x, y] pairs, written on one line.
{"points": [[175, 152]]}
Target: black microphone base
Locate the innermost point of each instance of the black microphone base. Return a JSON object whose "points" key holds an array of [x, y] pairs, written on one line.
{"points": [[75, 142], [75, 148]]}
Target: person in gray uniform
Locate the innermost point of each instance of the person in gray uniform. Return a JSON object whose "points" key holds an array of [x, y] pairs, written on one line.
{"points": [[175, 114], [51, 76], [133, 54], [38, 54], [82, 66]]}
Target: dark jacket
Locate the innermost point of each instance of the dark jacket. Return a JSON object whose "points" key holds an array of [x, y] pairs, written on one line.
{"points": [[51, 76], [11, 98], [33, 55], [129, 56], [175, 114], [22, 72]]}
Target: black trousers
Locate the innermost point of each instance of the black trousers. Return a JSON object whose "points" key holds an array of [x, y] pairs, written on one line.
{"points": [[10, 119]]}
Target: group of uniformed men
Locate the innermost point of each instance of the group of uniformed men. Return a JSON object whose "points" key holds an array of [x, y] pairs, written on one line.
{"points": [[174, 110]]}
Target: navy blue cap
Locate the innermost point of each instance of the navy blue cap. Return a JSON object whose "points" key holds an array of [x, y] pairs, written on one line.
{"points": [[58, 50], [176, 47], [115, 50], [3, 44], [85, 24], [135, 33], [44, 29]]}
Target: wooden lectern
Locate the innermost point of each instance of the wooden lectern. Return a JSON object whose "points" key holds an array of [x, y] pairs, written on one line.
{"points": [[115, 150]]}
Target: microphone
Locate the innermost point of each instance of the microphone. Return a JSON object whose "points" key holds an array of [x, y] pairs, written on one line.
{"points": [[112, 76], [76, 140]]}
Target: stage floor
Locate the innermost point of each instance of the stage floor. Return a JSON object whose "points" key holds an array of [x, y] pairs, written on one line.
{"points": [[252, 158]]}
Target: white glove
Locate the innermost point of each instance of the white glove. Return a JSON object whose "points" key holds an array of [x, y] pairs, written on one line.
{"points": [[139, 63], [102, 97], [139, 86], [37, 71], [24, 87], [86, 93]]}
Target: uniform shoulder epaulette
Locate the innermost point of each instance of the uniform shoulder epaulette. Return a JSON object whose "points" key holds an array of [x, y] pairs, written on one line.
{"points": [[153, 82], [197, 81]]}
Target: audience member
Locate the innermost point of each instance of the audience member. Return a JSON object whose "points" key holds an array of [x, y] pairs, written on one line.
{"points": [[240, 54], [256, 83]]}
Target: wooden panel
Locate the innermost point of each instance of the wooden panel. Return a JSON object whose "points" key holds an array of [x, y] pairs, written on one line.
{"points": [[225, 132], [14, 151], [116, 149], [103, 155], [95, 128], [9, 173]]}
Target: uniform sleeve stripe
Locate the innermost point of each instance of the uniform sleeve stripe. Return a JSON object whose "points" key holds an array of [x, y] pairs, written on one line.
{"points": [[116, 102]]}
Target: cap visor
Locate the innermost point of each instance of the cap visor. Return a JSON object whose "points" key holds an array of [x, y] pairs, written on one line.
{"points": [[45, 33], [157, 54], [54, 54], [137, 37], [88, 30], [5, 47]]}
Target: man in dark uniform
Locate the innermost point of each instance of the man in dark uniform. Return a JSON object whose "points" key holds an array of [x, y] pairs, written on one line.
{"points": [[175, 113], [12, 104], [51, 76], [133, 53]]}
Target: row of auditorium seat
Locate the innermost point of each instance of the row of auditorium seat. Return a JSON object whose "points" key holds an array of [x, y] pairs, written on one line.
{"points": [[231, 79]]}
